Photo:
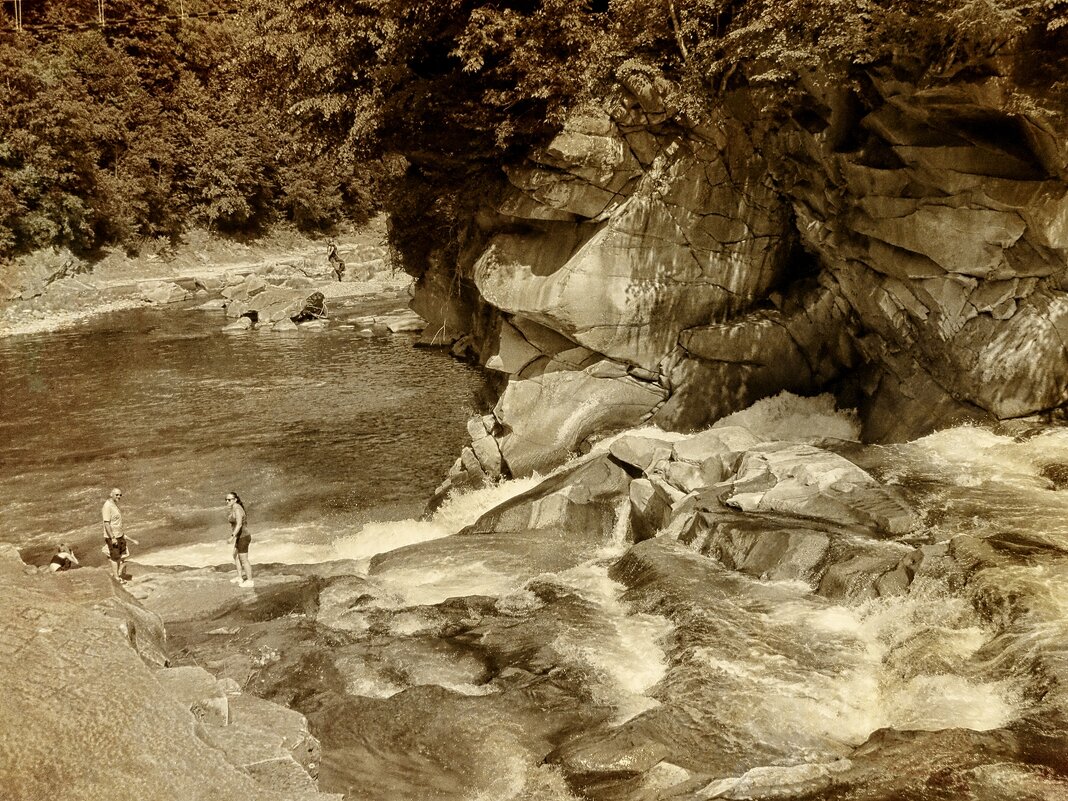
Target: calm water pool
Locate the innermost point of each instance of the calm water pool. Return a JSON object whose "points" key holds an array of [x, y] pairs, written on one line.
{"points": [[319, 432]]}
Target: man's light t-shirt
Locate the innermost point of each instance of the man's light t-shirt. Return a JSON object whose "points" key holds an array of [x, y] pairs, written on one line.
{"points": [[113, 516]]}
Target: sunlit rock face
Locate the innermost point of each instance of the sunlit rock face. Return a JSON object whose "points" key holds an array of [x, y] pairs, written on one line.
{"points": [[678, 236], [907, 249], [947, 238], [93, 710]]}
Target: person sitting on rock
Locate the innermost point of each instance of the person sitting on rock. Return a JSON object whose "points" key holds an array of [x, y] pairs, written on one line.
{"points": [[64, 559]]}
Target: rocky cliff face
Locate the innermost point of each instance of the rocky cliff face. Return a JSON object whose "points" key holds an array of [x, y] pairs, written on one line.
{"points": [[902, 246]]}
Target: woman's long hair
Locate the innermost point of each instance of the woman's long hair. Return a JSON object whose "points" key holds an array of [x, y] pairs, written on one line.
{"points": [[238, 499]]}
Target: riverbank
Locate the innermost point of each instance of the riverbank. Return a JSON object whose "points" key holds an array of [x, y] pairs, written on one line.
{"points": [[95, 709], [52, 292]]}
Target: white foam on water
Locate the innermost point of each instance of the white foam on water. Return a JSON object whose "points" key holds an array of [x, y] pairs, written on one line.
{"points": [[290, 545], [365, 679], [313, 543], [932, 703], [381, 537], [971, 456], [434, 584], [791, 700], [791, 417], [626, 649], [461, 509], [512, 773], [868, 690], [818, 679], [458, 511]]}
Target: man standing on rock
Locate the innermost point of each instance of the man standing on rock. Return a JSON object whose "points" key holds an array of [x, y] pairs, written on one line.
{"points": [[114, 537]]}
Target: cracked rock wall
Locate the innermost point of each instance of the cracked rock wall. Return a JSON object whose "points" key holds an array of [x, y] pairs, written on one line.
{"points": [[905, 247]]}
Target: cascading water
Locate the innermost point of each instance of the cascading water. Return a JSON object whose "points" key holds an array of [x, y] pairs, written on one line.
{"points": [[454, 659]]}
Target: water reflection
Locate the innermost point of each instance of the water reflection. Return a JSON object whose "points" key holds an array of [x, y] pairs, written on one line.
{"points": [[319, 430]]}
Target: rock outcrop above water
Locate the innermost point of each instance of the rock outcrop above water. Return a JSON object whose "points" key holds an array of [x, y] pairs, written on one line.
{"points": [[905, 247], [92, 710]]}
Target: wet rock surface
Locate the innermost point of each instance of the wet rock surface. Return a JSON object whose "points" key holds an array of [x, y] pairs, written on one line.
{"points": [[555, 649]]}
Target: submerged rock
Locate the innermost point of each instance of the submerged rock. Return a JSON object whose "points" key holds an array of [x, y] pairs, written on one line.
{"points": [[242, 323], [402, 322]]}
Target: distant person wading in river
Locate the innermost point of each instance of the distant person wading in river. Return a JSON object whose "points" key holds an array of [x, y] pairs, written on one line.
{"points": [[240, 540], [336, 264]]}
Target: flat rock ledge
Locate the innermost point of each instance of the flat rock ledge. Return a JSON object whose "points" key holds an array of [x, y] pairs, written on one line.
{"points": [[92, 710]]}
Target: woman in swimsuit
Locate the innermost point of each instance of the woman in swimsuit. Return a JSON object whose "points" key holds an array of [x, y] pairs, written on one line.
{"points": [[64, 559], [239, 539]]}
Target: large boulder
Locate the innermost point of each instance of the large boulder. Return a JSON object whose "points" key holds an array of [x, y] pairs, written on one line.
{"points": [[402, 321], [163, 293], [549, 416], [209, 283], [313, 310], [278, 303], [242, 323], [806, 481], [661, 262]]}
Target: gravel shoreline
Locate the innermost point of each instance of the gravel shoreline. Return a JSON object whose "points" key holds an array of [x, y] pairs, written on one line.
{"points": [[119, 284]]}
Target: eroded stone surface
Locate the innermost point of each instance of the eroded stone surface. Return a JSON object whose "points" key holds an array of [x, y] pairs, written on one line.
{"points": [[922, 268], [84, 717]]}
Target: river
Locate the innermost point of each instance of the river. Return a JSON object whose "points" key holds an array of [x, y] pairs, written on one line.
{"points": [[319, 432], [541, 665]]}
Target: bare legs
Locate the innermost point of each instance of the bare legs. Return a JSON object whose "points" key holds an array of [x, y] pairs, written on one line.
{"points": [[244, 563], [244, 568]]}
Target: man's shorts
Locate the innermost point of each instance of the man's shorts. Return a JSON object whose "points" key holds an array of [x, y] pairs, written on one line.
{"points": [[243, 543], [117, 549]]}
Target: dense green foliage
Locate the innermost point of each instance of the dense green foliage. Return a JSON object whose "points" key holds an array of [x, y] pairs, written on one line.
{"points": [[276, 112], [459, 87], [468, 79], [145, 128]]}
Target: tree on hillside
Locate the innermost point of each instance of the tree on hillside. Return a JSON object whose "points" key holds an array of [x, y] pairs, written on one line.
{"points": [[141, 129], [460, 87], [300, 110]]}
